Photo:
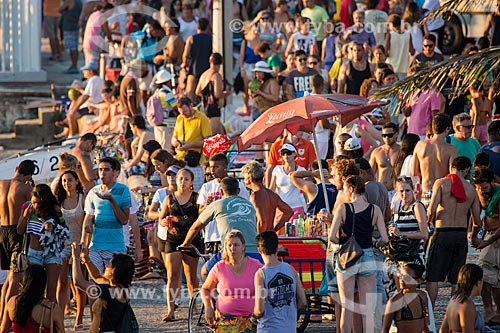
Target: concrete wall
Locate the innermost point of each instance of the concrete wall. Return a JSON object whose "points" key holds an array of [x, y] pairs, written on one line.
{"points": [[11, 108]]}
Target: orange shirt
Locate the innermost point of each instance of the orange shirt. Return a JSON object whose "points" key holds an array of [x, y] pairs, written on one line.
{"points": [[305, 153]]}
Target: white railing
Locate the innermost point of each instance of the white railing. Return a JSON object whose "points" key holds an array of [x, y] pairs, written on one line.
{"points": [[20, 33]]}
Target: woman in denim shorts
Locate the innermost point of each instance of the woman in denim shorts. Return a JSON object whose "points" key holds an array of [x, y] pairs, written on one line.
{"points": [[42, 220], [363, 272]]}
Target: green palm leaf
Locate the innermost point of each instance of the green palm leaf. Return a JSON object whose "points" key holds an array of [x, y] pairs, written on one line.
{"points": [[463, 70], [449, 7]]}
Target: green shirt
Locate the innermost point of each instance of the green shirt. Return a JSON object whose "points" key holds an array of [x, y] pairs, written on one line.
{"points": [[233, 213], [318, 17], [468, 148], [274, 61]]}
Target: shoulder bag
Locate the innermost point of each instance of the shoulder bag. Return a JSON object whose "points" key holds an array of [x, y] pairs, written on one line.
{"points": [[22, 257], [349, 252]]}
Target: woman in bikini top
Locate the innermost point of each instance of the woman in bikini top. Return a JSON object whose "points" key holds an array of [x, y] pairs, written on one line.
{"points": [[409, 308]]}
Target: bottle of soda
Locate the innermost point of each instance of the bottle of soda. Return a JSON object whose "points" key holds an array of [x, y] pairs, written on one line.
{"points": [[300, 226]]}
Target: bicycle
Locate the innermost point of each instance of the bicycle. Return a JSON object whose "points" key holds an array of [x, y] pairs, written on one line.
{"points": [[196, 312]]}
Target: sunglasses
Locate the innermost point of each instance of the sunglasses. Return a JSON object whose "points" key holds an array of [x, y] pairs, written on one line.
{"points": [[388, 135], [301, 59], [428, 45], [286, 152], [312, 62], [265, 18], [469, 127]]}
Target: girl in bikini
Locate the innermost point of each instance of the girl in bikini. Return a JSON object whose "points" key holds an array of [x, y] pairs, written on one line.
{"points": [[481, 113]]}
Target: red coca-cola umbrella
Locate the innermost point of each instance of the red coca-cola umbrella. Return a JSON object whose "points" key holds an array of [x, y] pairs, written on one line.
{"points": [[302, 114]]}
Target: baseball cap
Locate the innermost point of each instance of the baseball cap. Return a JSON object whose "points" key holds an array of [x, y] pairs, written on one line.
{"points": [[173, 168], [352, 144], [90, 66], [289, 147]]}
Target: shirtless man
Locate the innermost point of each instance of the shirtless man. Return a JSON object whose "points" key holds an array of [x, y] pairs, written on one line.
{"points": [[314, 191], [483, 180], [448, 211], [83, 152], [383, 157], [13, 193], [264, 200], [433, 157]]}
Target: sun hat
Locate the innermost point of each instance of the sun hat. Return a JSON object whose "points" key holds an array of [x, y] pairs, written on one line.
{"points": [[163, 76], [261, 66]]}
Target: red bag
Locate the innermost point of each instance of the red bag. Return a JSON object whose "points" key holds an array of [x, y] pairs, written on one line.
{"points": [[218, 143]]}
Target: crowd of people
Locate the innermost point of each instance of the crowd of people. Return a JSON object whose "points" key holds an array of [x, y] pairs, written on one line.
{"points": [[412, 184]]}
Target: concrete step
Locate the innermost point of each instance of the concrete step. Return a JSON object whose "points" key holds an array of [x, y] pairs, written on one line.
{"points": [[32, 132]]}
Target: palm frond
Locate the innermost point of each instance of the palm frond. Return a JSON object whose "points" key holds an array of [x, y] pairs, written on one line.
{"points": [[449, 7], [462, 70]]}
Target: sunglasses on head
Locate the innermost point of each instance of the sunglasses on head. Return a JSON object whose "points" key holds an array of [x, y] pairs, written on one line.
{"points": [[387, 135], [405, 179], [286, 152]]}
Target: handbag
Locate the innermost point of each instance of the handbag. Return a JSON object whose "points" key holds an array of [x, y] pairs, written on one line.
{"points": [[405, 249], [349, 252], [402, 249], [22, 257]]}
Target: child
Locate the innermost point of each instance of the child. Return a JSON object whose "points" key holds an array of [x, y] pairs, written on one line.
{"points": [[278, 289], [480, 113]]}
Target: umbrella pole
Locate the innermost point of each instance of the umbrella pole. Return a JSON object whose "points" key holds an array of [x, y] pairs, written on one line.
{"points": [[325, 194]]}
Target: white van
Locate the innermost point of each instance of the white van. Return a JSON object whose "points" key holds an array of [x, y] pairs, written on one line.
{"points": [[460, 26]]}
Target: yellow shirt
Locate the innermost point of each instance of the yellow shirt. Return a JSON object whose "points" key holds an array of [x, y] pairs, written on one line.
{"points": [[192, 129]]}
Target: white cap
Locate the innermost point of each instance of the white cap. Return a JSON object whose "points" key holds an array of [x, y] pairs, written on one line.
{"points": [[289, 147], [352, 144]]}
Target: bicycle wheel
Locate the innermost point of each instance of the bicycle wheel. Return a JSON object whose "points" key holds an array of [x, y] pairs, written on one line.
{"points": [[196, 315], [302, 321]]}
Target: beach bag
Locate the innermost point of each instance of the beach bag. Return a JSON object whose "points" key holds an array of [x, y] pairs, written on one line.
{"points": [[398, 249], [154, 110], [349, 252]]}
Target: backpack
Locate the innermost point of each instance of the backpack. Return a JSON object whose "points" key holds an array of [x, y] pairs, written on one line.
{"points": [[154, 110]]}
